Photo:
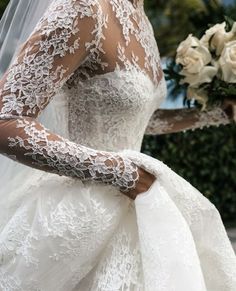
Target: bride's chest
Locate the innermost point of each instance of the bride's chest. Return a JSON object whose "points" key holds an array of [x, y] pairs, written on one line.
{"points": [[122, 76], [127, 43], [118, 93]]}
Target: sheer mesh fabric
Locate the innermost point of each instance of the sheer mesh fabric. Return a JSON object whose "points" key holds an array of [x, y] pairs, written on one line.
{"points": [[175, 120], [75, 41], [55, 49]]}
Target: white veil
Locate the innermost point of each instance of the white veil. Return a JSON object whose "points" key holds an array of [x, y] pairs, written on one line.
{"points": [[16, 25]]}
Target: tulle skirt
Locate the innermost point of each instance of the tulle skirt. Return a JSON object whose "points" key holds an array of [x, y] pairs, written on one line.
{"points": [[68, 235]]}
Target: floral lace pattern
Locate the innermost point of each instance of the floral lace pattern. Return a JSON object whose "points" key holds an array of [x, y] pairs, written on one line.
{"points": [[41, 68], [99, 60], [65, 158], [65, 228], [167, 121]]}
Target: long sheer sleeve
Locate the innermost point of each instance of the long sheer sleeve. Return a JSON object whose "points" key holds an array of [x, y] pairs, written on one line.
{"points": [[165, 121], [63, 38]]}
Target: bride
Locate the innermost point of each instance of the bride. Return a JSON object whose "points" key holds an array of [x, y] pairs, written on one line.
{"points": [[81, 207]]}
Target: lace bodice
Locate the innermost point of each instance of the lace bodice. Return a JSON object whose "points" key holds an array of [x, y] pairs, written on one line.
{"points": [[118, 108], [101, 58]]}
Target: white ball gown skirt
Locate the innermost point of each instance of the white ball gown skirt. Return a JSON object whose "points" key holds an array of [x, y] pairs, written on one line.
{"points": [[62, 234]]}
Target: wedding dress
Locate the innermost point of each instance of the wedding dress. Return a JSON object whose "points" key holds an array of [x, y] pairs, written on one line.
{"points": [[64, 223]]}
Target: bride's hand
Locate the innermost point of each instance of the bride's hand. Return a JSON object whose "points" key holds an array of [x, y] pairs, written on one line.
{"points": [[229, 106], [145, 181]]}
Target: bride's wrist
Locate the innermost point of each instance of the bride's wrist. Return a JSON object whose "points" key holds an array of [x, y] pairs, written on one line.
{"points": [[128, 178]]}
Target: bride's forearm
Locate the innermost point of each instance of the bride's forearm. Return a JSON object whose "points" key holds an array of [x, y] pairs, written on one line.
{"points": [[27, 141], [62, 40], [165, 121]]}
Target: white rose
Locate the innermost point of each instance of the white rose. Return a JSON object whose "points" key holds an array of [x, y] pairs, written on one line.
{"points": [[216, 37], [227, 62], [204, 76], [190, 41], [192, 55], [220, 27], [198, 94]]}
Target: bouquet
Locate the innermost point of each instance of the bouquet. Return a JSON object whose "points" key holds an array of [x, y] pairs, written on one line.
{"points": [[206, 67]]}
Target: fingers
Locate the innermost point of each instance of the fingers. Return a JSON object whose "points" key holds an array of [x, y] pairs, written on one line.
{"points": [[146, 179]]}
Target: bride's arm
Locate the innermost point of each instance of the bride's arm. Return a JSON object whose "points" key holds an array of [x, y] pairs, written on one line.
{"points": [[165, 121], [64, 37]]}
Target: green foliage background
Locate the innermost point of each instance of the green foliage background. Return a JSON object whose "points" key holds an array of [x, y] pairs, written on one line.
{"points": [[207, 157]]}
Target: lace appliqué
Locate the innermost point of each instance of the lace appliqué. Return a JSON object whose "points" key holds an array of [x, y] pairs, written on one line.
{"points": [[40, 70], [33, 78], [66, 158], [214, 117], [157, 125], [167, 121]]}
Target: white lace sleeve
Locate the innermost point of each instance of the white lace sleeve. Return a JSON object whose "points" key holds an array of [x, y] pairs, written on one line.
{"points": [[165, 121], [63, 38]]}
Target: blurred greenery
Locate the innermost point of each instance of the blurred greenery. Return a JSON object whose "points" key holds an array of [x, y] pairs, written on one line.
{"points": [[173, 20], [207, 157]]}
